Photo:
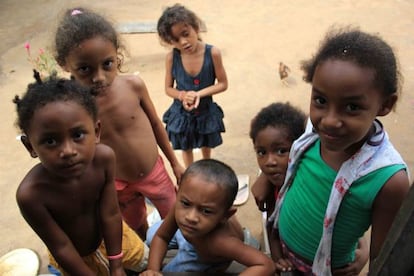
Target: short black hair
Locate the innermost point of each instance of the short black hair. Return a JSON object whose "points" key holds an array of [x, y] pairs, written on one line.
{"points": [[53, 89], [216, 172], [279, 115]]}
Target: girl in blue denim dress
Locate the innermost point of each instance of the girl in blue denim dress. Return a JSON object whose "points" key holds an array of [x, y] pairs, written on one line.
{"points": [[194, 73]]}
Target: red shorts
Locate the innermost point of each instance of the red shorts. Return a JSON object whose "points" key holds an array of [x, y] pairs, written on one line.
{"points": [[157, 186]]}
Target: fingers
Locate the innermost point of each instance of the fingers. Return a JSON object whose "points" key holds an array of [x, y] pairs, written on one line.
{"points": [[284, 265]]}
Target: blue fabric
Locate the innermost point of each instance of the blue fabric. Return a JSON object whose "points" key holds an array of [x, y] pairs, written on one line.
{"points": [[186, 259], [202, 126]]}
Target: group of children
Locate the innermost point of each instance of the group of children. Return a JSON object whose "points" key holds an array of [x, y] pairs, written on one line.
{"points": [[325, 179]]}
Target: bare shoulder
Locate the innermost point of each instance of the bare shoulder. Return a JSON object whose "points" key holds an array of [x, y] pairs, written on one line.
{"points": [[133, 80], [394, 190], [230, 233], [215, 52], [29, 187], [104, 153], [169, 56]]}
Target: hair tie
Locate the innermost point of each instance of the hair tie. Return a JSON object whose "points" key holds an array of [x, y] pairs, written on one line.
{"points": [[75, 12]]}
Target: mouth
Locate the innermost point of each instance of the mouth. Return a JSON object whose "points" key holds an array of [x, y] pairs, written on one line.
{"points": [[100, 89], [329, 136], [72, 167], [187, 48], [278, 177], [188, 228]]}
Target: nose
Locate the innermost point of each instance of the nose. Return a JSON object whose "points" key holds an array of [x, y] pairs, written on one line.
{"points": [[271, 159], [183, 41], [99, 76], [192, 216], [332, 120], [68, 150]]}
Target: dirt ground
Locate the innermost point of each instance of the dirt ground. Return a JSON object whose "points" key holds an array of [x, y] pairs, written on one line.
{"points": [[253, 35]]}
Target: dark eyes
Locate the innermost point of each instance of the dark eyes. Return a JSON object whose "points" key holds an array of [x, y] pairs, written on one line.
{"points": [[207, 211], [79, 135], [260, 152], [184, 203], [352, 107], [319, 100], [84, 70], [50, 142], [278, 151], [108, 64]]}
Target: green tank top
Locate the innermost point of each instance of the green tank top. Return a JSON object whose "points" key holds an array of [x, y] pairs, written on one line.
{"points": [[303, 210]]}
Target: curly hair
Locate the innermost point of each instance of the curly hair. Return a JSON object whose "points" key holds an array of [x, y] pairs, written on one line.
{"points": [[279, 115], [173, 15], [365, 50], [80, 24], [54, 89]]}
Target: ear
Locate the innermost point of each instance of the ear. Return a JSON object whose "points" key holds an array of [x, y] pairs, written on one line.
{"points": [[387, 105], [25, 141], [97, 132], [231, 211]]}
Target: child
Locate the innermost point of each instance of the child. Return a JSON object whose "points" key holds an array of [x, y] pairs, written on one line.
{"points": [[88, 47], [209, 236], [273, 131], [193, 120], [69, 198], [343, 174]]}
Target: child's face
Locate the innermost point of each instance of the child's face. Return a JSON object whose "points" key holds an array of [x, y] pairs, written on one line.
{"points": [[272, 146], [63, 135], [199, 206], [185, 38], [344, 104], [94, 63]]}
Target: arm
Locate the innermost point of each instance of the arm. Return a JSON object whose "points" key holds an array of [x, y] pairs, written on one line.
{"points": [[385, 208], [231, 248], [263, 193], [159, 129], [56, 240], [282, 264], [169, 80], [110, 214], [159, 243]]}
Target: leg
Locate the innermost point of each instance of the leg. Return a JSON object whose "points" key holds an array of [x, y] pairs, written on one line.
{"points": [[133, 209], [188, 157], [158, 187], [206, 152]]}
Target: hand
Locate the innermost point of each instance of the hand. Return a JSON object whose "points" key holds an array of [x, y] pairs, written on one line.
{"points": [[151, 273], [284, 265], [191, 100], [178, 171], [361, 258]]}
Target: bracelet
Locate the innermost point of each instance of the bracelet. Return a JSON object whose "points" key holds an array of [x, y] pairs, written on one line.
{"points": [[116, 257]]}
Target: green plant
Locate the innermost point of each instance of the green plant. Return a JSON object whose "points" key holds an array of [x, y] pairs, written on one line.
{"points": [[44, 62]]}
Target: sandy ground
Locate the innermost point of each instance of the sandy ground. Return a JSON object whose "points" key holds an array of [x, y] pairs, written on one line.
{"points": [[253, 36]]}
